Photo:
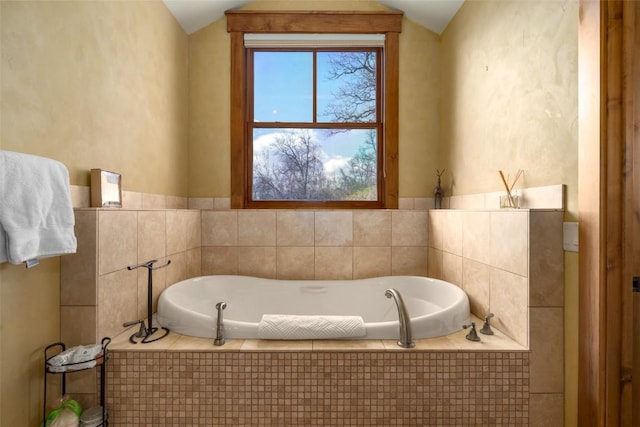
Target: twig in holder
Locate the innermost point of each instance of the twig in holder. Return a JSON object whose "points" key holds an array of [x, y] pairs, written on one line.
{"points": [[508, 187]]}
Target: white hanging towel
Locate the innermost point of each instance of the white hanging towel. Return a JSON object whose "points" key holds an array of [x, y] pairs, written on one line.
{"points": [[299, 327], [36, 214]]}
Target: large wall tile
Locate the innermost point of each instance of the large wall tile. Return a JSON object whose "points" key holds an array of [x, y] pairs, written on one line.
{"points": [[476, 282], [333, 228], [257, 261], [333, 263], [117, 240], [435, 232], [295, 228], [78, 271], [177, 231], [295, 262], [546, 268], [452, 238], [547, 350], [434, 263], [452, 268], [370, 261], [546, 409], [159, 279], [371, 228], [510, 241], [152, 235], [409, 261], [78, 325], [409, 228], [256, 228], [509, 301], [118, 297], [476, 236], [219, 228], [219, 260]]}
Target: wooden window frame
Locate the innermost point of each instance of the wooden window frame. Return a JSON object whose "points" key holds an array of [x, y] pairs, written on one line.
{"points": [[376, 22]]}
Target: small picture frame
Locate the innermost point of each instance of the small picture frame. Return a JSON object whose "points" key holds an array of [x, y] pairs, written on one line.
{"points": [[106, 189]]}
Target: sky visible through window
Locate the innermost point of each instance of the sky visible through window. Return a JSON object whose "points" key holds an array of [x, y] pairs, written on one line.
{"points": [[283, 93]]}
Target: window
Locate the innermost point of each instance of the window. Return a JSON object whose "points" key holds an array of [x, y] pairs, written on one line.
{"points": [[313, 124], [315, 128]]}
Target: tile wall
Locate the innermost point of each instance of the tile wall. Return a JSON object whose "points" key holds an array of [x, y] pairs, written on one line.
{"points": [[208, 388], [296, 244], [511, 264], [97, 291]]}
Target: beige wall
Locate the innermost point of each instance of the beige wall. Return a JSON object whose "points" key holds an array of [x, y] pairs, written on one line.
{"points": [[510, 101], [209, 155], [91, 84]]}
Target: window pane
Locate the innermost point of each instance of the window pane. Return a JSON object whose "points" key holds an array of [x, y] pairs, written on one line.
{"points": [[283, 86], [347, 87], [315, 164]]}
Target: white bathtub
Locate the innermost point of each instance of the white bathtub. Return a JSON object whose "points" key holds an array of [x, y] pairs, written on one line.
{"points": [[435, 307]]}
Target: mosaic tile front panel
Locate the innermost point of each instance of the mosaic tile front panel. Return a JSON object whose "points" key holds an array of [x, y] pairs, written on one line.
{"points": [[317, 388]]}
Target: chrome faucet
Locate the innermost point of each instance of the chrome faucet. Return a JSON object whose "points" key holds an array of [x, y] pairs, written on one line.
{"points": [[405, 340], [220, 324]]}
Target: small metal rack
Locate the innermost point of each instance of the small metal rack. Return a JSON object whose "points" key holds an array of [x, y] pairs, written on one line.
{"points": [[67, 368]]}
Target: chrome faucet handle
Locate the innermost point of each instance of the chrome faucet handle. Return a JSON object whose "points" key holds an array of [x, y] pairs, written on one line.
{"points": [[486, 328], [142, 332], [219, 340], [472, 335]]}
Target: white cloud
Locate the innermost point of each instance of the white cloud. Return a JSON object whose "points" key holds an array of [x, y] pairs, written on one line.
{"points": [[334, 164]]}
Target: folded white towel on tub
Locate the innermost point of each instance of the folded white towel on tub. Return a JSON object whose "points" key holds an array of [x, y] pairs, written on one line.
{"points": [[301, 327]]}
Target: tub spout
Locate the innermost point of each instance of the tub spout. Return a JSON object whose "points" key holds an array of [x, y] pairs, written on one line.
{"points": [[220, 324], [405, 340]]}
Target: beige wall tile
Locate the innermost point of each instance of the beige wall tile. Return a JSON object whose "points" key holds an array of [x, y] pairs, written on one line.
{"points": [[295, 228], [177, 231], [221, 203], [152, 235], [295, 262], [333, 263], [333, 228], [509, 241], [411, 261], [176, 202], [194, 228], [153, 201], [546, 410], [257, 261], [177, 270], [117, 240], [452, 235], [547, 350], [409, 228], [476, 282], [80, 196], [406, 203], [78, 271], [117, 301], [423, 203], [78, 325], [256, 228], [371, 261], [434, 263], [546, 268], [508, 301], [131, 200], [219, 228], [476, 236], [371, 228], [201, 203], [194, 262], [436, 228], [452, 268], [219, 260]]}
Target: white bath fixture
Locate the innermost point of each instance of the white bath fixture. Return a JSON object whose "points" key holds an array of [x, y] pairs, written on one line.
{"points": [[436, 307]]}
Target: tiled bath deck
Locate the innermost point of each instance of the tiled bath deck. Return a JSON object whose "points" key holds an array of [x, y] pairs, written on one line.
{"points": [[185, 381]]}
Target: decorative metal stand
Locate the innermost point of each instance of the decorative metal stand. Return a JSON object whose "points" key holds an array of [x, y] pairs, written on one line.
{"points": [[146, 333]]}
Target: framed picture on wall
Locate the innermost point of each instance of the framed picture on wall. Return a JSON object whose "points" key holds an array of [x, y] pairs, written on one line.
{"points": [[106, 189]]}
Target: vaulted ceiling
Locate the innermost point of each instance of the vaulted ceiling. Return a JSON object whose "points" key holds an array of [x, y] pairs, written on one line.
{"points": [[195, 14]]}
